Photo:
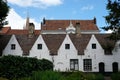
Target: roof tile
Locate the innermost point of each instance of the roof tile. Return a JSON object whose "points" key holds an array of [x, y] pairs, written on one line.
{"points": [[57, 24]]}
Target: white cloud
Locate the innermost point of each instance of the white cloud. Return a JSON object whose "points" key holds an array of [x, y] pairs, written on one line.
{"points": [[89, 7], [109, 31], [36, 3], [17, 22]]}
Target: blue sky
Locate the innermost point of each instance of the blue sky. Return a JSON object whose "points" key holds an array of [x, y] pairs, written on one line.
{"points": [[55, 9]]}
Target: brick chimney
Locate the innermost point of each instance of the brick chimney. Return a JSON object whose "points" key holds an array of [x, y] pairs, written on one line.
{"points": [[31, 30], [78, 29]]}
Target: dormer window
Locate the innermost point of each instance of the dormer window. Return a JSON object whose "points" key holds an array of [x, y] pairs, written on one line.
{"points": [[59, 28], [70, 28]]}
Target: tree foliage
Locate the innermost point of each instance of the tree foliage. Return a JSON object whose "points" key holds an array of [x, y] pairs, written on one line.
{"points": [[18, 67], [113, 17], [4, 9]]}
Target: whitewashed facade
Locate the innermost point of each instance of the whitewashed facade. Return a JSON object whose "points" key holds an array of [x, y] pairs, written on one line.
{"points": [[13, 47], [40, 50], [71, 53]]}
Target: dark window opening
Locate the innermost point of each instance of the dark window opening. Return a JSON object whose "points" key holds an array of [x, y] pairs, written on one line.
{"points": [[108, 52], [39, 46], [13, 46], [67, 46], [93, 46]]}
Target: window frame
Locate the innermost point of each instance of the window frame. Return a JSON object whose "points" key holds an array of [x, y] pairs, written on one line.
{"points": [[94, 46], [87, 64], [74, 64], [13, 46], [39, 46], [67, 46]]}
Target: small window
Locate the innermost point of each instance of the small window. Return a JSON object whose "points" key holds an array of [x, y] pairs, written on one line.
{"points": [[87, 64], [13, 46], [93, 46], [39, 46], [67, 46]]}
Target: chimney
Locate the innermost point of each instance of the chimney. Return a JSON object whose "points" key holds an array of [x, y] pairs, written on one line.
{"points": [[94, 20], [27, 23], [31, 30], [78, 29], [44, 21]]}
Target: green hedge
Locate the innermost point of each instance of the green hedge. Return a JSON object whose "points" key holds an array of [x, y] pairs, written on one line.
{"points": [[17, 67]]}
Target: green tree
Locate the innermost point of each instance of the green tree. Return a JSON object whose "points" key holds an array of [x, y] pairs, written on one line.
{"points": [[113, 18], [4, 9]]}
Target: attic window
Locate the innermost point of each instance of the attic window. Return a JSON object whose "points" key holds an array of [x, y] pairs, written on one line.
{"points": [[13, 46], [67, 46], [39, 46], [93, 46], [77, 23]]}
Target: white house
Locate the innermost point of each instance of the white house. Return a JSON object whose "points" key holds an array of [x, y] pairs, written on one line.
{"points": [[69, 44]]}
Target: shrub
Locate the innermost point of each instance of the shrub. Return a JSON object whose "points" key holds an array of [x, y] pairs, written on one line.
{"points": [[17, 67], [90, 76], [115, 76], [3, 78], [99, 77], [46, 75], [75, 76]]}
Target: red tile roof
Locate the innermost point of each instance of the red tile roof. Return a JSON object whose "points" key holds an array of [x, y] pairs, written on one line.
{"points": [[4, 30], [62, 24], [21, 32], [9, 31]]}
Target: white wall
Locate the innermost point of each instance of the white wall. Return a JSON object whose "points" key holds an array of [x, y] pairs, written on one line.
{"points": [[62, 60], [40, 53], [18, 51]]}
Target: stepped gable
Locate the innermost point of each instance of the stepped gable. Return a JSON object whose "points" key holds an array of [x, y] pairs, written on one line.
{"points": [[4, 39], [63, 24], [80, 42], [53, 42], [105, 41], [26, 43]]}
